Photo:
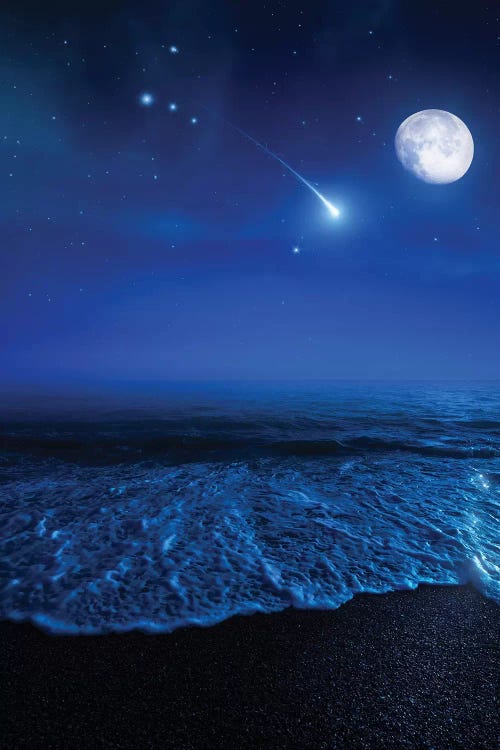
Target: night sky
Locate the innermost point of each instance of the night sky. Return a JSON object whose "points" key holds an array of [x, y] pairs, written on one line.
{"points": [[144, 239]]}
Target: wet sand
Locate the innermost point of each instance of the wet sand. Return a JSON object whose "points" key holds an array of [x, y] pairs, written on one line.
{"points": [[401, 670]]}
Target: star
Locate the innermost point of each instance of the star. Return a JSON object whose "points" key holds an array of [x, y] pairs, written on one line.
{"points": [[296, 250], [172, 107], [174, 50], [193, 120], [146, 99]]}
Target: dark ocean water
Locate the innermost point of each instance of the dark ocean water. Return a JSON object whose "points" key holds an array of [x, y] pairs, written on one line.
{"points": [[203, 503]]}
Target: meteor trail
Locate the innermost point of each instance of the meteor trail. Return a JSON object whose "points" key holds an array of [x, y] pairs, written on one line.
{"points": [[333, 210]]}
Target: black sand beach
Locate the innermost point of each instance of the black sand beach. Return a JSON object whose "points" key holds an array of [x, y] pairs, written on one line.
{"points": [[402, 670]]}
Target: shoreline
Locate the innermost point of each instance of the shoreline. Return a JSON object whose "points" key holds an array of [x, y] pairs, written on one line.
{"points": [[413, 669]]}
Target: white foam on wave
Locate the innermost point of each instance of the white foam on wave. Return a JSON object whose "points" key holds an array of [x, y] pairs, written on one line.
{"points": [[96, 549]]}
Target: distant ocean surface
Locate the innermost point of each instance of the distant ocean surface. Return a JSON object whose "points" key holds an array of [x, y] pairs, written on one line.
{"points": [[210, 501]]}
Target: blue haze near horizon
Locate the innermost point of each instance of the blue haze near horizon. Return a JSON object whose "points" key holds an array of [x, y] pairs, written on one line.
{"points": [[190, 506]]}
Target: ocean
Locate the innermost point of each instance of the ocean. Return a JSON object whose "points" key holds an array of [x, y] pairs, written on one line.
{"points": [[207, 501]]}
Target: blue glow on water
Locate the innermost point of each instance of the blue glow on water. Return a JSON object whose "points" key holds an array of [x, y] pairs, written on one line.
{"points": [[191, 510]]}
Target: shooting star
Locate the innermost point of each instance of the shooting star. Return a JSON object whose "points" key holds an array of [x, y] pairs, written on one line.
{"points": [[333, 210]]}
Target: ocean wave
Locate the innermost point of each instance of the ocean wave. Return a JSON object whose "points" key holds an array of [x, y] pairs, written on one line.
{"points": [[365, 445], [96, 549], [188, 448], [190, 514]]}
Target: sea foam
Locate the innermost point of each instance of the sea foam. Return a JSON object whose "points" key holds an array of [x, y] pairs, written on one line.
{"points": [[249, 512]]}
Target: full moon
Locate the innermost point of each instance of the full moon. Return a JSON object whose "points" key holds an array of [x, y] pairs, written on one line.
{"points": [[435, 145]]}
